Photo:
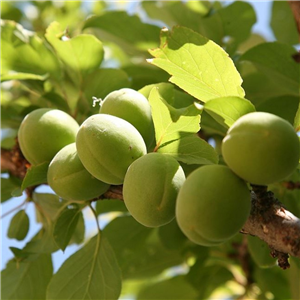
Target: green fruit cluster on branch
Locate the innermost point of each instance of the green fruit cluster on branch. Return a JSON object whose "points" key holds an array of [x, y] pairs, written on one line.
{"points": [[43, 132], [261, 148]]}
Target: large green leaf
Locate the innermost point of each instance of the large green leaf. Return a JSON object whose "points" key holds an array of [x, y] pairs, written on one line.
{"points": [[81, 54], [197, 65], [283, 23], [90, 273], [26, 279], [127, 31], [23, 51], [227, 110], [275, 60]]}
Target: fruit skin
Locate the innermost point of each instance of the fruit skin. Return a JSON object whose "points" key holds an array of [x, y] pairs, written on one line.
{"points": [[150, 189], [261, 148], [133, 107], [107, 146], [70, 180], [212, 205], [43, 132]]}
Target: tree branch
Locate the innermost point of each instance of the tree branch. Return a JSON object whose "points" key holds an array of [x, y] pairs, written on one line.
{"points": [[275, 225]]}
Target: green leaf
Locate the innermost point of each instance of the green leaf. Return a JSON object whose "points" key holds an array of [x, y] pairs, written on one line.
{"points": [[19, 226], [283, 23], [110, 205], [283, 106], [65, 225], [208, 278], [35, 175], [197, 65], [27, 279], [134, 36], [82, 54], [90, 273], [275, 61], [190, 150], [166, 129], [50, 204], [79, 233], [23, 76], [226, 110], [103, 81], [9, 188], [174, 288], [23, 51], [133, 235], [297, 119], [42, 242]]}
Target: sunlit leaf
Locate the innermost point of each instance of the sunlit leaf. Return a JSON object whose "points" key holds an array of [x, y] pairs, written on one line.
{"points": [[190, 150], [90, 273], [227, 110], [82, 54], [23, 51], [197, 65]]}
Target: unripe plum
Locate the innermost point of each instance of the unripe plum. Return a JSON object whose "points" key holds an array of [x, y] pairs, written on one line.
{"points": [[107, 146], [150, 189], [43, 132], [133, 107], [261, 148], [70, 180], [212, 205]]}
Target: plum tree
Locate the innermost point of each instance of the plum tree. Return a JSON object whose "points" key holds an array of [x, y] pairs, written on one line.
{"points": [[132, 106], [212, 205], [150, 188], [43, 132], [107, 145], [70, 180], [262, 148]]}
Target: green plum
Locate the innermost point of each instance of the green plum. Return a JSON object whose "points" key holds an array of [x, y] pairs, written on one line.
{"points": [[212, 205], [133, 107], [43, 132], [107, 146], [150, 188], [70, 180], [261, 148]]}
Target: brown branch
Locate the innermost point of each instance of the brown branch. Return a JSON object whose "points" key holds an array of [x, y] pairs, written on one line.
{"points": [[275, 225], [295, 6]]}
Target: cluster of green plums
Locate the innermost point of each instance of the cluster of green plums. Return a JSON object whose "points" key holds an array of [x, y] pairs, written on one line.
{"points": [[114, 146]]}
